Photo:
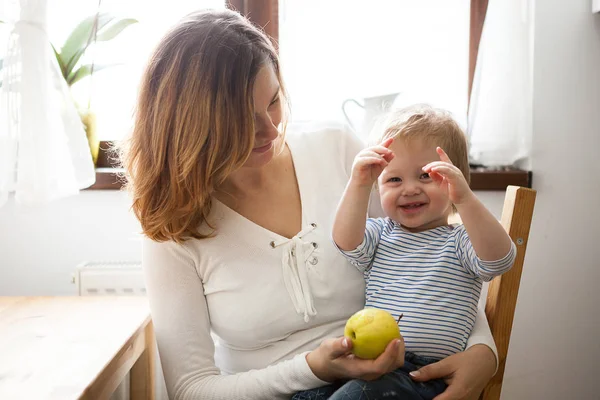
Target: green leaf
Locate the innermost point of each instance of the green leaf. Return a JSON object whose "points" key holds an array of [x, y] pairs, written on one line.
{"points": [[111, 30], [80, 38], [61, 64], [70, 65], [86, 70]]}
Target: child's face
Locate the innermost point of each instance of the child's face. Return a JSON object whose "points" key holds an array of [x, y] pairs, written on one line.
{"points": [[408, 195]]}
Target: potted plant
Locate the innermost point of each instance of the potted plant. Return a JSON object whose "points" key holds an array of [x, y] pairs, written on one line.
{"points": [[101, 27]]}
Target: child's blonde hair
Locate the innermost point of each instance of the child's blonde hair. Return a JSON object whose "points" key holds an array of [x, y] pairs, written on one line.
{"points": [[433, 125]]}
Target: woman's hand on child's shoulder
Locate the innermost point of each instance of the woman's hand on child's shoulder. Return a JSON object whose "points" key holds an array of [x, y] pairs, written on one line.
{"points": [[370, 162], [333, 360], [449, 177]]}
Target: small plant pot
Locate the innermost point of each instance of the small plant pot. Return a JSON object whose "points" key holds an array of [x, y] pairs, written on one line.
{"points": [[88, 118]]}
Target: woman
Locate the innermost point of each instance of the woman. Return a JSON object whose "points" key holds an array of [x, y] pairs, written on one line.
{"points": [[247, 293]]}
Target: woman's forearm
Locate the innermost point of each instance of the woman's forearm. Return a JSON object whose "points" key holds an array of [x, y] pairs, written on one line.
{"points": [[486, 358], [481, 334]]}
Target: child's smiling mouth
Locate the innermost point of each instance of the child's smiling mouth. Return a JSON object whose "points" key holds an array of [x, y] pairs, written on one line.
{"points": [[413, 207]]}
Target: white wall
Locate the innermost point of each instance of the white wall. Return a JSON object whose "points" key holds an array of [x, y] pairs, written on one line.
{"points": [[555, 345], [40, 247]]}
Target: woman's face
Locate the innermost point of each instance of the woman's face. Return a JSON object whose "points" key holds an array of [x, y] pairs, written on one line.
{"points": [[267, 117]]}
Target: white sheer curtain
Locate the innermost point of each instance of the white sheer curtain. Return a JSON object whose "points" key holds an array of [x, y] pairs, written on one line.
{"points": [[44, 153], [500, 112]]}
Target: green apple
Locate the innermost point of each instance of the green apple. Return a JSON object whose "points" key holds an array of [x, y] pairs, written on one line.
{"points": [[370, 331]]}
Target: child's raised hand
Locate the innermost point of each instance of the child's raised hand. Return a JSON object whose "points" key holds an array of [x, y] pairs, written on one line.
{"points": [[370, 162], [449, 177]]}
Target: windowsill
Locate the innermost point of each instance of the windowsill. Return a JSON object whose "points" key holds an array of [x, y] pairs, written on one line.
{"points": [[108, 179], [490, 179]]}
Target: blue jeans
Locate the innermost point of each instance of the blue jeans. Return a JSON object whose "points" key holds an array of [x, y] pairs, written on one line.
{"points": [[394, 385]]}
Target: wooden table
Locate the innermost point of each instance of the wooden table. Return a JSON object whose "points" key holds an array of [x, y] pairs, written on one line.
{"points": [[75, 347]]}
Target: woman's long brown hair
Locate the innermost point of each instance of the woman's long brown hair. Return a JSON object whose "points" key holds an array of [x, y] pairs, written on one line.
{"points": [[194, 121]]}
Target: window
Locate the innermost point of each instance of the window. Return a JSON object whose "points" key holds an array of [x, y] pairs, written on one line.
{"points": [[334, 50], [112, 92]]}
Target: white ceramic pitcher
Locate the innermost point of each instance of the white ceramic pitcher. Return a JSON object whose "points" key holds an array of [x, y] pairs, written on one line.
{"points": [[373, 107]]}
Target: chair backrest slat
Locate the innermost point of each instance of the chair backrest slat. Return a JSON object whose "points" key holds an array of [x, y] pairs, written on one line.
{"points": [[503, 290]]}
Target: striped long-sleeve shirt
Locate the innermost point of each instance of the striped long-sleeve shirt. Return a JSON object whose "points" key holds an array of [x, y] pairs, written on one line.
{"points": [[433, 277]]}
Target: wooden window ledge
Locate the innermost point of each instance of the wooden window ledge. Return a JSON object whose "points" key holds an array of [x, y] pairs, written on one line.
{"points": [[107, 178], [498, 179]]}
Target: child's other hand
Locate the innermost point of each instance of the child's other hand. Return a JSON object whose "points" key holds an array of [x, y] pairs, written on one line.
{"points": [[449, 177], [370, 162]]}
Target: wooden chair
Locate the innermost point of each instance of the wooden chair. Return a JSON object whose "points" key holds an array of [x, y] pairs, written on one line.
{"points": [[503, 290]]}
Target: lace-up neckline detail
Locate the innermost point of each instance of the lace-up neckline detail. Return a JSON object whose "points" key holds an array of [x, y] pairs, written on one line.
{"points": [[296, 252]]}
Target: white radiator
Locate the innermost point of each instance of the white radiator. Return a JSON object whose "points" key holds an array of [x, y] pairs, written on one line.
{"points": [[109, 279], [117, 279]]}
